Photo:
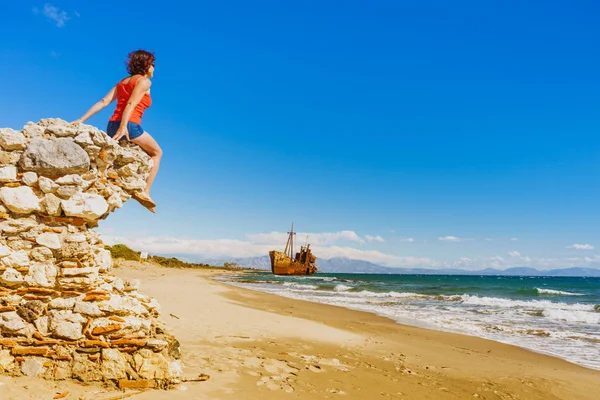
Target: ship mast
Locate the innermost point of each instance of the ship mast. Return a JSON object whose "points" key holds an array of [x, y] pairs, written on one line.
{"points": [[290, 243]]}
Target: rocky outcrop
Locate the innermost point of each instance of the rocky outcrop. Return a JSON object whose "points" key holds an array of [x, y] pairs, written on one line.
{"points": [[62, 313]]}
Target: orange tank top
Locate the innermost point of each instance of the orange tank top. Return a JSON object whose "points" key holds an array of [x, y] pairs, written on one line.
{"points": [[124, 91]]}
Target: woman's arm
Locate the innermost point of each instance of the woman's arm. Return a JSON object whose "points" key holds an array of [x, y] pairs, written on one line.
{"points": [[109, 98], [141, 87]]}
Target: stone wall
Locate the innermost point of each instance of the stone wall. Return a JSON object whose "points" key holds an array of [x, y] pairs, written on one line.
{"points": [[62, 313]]}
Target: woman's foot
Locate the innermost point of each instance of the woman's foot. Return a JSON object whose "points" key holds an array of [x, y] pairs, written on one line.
{"points": [[144, 199]]}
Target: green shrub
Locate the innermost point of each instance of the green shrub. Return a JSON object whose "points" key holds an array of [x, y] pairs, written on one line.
{"points": [[124, 252]]}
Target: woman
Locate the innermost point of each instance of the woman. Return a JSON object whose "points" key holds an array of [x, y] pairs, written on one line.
{"points": [[133, 97]]}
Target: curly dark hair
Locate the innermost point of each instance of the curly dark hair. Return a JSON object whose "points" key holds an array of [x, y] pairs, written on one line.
{"points": [[139, 62]]}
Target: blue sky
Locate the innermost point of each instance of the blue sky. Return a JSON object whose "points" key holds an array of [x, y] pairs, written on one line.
{"points": [[429, 133]]}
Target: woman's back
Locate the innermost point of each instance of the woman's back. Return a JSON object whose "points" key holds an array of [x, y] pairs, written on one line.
{"points": [[124, 89]]}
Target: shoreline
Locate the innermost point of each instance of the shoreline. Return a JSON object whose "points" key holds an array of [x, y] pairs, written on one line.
{"points": [[413, 323], [260, 345]]}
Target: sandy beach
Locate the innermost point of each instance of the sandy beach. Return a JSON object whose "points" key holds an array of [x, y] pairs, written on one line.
{"points": [[256, 345]]}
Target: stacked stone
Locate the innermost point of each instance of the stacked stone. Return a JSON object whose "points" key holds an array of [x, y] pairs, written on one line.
{"points": [[62, 313]]}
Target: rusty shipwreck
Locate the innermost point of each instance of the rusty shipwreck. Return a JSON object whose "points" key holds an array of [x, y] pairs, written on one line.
{"points": [[288, 263]]}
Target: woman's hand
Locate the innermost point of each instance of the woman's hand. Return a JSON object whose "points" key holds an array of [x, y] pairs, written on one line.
{"points": [[77, 121], [122, 131]]}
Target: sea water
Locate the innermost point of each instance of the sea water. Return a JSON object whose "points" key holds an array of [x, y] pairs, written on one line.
{"points": [[559, 316]]}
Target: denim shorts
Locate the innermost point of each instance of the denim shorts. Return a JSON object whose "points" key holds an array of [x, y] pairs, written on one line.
{"points": [[135, 130]]}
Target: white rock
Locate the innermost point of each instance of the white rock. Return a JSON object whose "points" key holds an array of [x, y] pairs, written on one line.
{"points": [[33, 130], [76, 238], [30, 178], [129, 169], [67, 191], [114, 364], [66, 325], [99, 138], [175, 371], [79, 283], [11, 139], [33, 366], [73, 179], [153, 305], [16, 259], [49, 239], [11, 322], [133, 183], [13, 299], [118, 284], [62, 130], [115, 200], [62, 303], [11, 278], [43, 275], [123, 305], [69, 330], [104, 261], [41, 324], [84, 138], [13, 226], [132, 284], [4, 250], [88, 271], [130, 323], [8, 173], [41, 253], [85, 205], [52, 204], [88, 308], [5, 360], [47, 185], [20, 199]]}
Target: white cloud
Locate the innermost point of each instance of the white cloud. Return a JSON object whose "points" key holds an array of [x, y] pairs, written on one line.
{"points": [[408, 240], [488, 239], [378, 238], [392, 231], [322, 238], [54, 53], [261, 244], [53, 13], [452, 239], [582, 247], [514, 239], [239, 248]]}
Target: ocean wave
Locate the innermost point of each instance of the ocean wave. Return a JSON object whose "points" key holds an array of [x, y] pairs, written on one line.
{"points": [[556, 292], [300, 285], [342, 288], [573, 316], [527, 304]]}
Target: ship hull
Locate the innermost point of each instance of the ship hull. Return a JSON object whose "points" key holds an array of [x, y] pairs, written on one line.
{"points": [[281, 264]]}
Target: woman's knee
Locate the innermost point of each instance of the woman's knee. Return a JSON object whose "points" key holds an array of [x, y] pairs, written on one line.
{"points": [[157, 152]]}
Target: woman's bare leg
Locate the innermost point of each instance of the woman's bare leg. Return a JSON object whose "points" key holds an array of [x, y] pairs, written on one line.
{"points": [[149, 145]]}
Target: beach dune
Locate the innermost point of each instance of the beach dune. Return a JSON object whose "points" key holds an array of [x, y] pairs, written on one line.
{"points": [[256, 345]]}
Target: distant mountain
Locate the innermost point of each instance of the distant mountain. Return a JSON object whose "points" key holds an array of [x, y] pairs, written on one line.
{"points": [[350, 266]]}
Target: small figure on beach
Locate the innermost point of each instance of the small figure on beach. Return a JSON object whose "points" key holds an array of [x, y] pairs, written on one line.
{"points": [[133, 98]]}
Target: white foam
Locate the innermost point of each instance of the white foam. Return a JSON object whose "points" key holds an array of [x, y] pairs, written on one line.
{"points": [[573, 316], [299, 285], [529, 304], [342, 288], [556, 292]]}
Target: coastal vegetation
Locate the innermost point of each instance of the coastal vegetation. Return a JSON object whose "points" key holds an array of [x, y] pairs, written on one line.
{"points": [[122, 252]]}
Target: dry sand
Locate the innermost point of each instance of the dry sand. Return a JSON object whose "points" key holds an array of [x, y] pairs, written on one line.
{"points": [[260, 346]]}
